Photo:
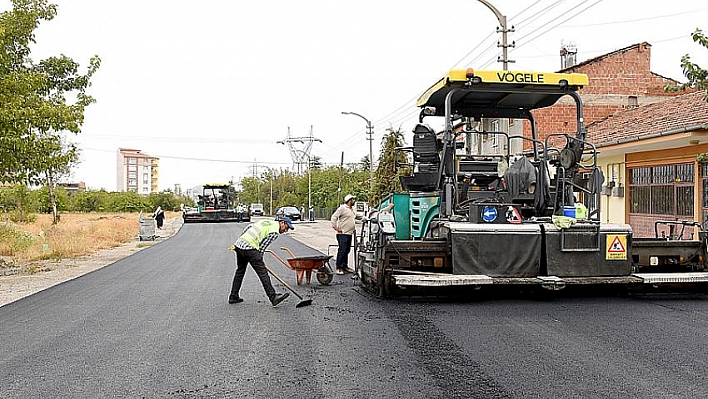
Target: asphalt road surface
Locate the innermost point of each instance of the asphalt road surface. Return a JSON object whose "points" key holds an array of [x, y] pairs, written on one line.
{"points": [[157, 324]]}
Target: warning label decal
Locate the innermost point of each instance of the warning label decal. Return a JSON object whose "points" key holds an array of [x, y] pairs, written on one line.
{"points": [[616, 247]]}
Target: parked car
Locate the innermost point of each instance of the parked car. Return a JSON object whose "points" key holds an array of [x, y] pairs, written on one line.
{"points": [[290, 211], [256, 209]]}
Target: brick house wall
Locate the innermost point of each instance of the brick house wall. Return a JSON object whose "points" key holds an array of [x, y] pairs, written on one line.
{"points": [[613, 79]]}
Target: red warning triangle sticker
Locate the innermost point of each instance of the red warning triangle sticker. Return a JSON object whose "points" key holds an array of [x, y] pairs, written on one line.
{"points": [[513, 216], [616, 246]]}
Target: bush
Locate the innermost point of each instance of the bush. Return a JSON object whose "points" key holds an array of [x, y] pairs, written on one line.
{"points": [[13, 240], [22, 217]]}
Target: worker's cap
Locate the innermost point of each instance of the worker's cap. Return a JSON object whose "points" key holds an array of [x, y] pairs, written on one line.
{"points": [[349, 197], [287, 221], [468, 175]]}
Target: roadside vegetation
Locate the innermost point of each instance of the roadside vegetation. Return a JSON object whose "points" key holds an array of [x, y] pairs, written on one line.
{"points": [[78, 234], [327, 185], [88, 221]]}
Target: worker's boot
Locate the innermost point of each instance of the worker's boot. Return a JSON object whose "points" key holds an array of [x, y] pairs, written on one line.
{"points": [[235, 299], [277, 298]]}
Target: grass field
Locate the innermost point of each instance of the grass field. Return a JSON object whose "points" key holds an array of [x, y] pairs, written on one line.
{"points": [[76, 234]]}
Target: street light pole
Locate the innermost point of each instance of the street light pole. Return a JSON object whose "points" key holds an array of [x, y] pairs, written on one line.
{"points": [[370, 132], [309, 183], [271, 176], [505, 44]]}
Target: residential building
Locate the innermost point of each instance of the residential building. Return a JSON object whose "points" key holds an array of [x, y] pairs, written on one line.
{"points": [[137, 172], [72, 188], [618, 80], [655, 163]]}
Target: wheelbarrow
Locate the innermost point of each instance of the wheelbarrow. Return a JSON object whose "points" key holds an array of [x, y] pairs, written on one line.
{"points": [[304, 266]]}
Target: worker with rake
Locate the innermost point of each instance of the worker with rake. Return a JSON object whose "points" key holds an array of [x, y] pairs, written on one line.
{"points": [[250, 247]]}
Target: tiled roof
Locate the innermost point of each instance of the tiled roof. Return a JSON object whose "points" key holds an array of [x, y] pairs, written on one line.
{"points": [[673, 115]]}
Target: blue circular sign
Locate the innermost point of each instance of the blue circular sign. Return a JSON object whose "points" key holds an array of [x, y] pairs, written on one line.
{"points": [[489, 214]]}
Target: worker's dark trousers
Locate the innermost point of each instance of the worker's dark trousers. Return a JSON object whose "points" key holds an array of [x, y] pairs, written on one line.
{"points": [[345, 243], [255, 258]]}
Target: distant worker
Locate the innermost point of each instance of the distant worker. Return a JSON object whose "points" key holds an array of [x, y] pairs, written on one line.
{"points": [[240, 210], [302, 212], [312, 213], [159, 216], [343, 223], [250, 247]]}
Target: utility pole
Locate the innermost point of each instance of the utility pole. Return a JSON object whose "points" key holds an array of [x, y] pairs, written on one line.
{"points": [[339, 188], [504, 44], [370, 132], [299, 155]]}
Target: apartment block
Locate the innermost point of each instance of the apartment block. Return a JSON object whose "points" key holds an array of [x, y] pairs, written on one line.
{"points": [[137, 171]]}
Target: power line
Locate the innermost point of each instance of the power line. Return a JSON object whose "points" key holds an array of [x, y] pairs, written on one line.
{"points": [[629, 21], [398, 111], [190, 158]]}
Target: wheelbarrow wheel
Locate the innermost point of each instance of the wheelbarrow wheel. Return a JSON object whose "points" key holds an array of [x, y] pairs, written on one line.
{"points": [[325, 275]]}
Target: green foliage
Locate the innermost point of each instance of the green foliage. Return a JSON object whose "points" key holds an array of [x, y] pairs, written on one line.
{"points": [[89, 201], [387, 173], [13, 240], [129, 201], [43, 203], [697, 76], [21, 217], [34, 108], [166, 200], [18, 201], [291, 189]]}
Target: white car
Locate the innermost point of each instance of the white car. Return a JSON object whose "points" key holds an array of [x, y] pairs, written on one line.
{"points": [[256, 209]]}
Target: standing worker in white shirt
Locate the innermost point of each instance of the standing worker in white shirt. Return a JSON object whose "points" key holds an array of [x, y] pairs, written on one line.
{"points": [[343, 223]]}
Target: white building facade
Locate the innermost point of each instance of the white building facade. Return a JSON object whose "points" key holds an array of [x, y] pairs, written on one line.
{"points": [[137, 171]]}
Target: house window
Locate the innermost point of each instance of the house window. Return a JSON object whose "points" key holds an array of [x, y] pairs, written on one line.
{"points": [[495, 129], [132, 161], [662, 190]]}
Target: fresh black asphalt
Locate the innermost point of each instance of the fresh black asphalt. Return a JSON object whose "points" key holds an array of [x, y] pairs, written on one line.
{"points": [[157, 324]]}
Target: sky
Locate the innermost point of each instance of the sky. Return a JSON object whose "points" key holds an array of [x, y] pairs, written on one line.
{"points": [[211, 86]]}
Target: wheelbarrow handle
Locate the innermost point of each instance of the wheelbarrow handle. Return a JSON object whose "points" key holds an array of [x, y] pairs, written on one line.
{"points": [[278, 258], [286, 249]]}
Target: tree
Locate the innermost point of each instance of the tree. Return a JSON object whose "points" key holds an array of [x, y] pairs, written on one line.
{"points": [[17, 199], [697, 76], [364, 162], [54, 159], [386, 176], [34, 105]]}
